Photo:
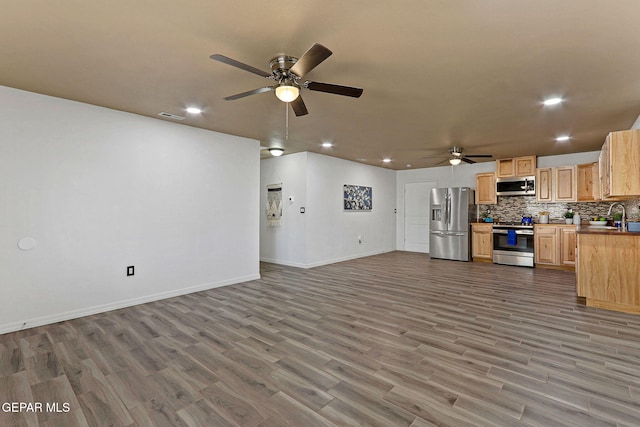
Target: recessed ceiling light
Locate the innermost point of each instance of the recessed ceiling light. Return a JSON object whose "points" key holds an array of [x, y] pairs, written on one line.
{"points": [[409, 165], [327, 144], [563, 138], [194, 110], [552, 101], [387, 160]]}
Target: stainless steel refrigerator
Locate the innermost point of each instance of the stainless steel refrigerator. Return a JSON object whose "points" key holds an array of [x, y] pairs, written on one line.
{"points": [[451, 212]]}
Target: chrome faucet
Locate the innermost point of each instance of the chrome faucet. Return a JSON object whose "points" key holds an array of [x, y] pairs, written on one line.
{"points": [[623, 221]]}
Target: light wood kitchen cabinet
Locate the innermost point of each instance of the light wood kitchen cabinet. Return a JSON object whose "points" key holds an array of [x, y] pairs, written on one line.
{"points": [[546, 245], [556, 184], [544, 184], [567, 245], [564, 184], [482, 242], [517, 166], [555, 245], [486, 189], [606, 275], [588, 182], [619, 160]]}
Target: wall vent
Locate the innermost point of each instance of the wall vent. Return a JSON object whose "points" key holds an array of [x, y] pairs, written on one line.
{"points": [[170, 116]]}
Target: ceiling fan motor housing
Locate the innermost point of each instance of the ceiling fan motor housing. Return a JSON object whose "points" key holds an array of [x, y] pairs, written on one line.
{"points": [[280, 66]]}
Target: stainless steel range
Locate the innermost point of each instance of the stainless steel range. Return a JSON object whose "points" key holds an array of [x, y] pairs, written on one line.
{"points": [[513, 244]]}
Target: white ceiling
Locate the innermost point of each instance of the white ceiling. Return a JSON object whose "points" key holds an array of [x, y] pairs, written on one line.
{"points": [[435, 74]]}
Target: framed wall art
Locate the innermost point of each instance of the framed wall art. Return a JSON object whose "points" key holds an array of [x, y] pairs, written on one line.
{"points": [[357, 198]]}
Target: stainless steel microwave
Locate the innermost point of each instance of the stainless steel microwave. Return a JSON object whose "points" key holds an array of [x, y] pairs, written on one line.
{"points": [[516, 186]]}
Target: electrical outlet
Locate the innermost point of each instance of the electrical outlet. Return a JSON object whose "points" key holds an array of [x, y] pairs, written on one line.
{"points": [[130, 270]]}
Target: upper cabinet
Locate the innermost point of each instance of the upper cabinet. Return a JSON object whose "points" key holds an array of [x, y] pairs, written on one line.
{"points": [[588, 182], [556, 184], [517, 166], [619, 160], [486, 189], [565, 188], [544, 184]]}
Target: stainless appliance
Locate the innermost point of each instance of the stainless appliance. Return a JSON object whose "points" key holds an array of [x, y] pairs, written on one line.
{"points": [[513, 244], [516, 186], [452, 210]]}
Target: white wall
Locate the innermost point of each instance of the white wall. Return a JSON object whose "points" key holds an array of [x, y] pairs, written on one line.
{"points": [[568, 159], [285, 244], [332, 232], [325, 233], [99, 190]]}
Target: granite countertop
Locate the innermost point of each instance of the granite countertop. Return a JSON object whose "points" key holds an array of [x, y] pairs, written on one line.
{"points": [[588, 229]]}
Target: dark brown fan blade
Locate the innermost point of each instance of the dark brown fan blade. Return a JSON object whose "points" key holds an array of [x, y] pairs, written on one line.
{"points": [[251, 92], [464, 159], [310, 59], [486, 156], [336, 89], [298, 107], [238, 64]]}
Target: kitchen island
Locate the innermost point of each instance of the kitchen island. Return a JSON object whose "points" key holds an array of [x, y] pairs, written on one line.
{"points": [[608, 271]]}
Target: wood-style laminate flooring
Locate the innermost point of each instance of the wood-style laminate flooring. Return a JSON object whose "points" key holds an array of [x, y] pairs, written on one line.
{"points": [[396, 339]]}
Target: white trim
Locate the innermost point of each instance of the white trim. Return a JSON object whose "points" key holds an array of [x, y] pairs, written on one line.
{"points": [[60, 317], [325, 262]]}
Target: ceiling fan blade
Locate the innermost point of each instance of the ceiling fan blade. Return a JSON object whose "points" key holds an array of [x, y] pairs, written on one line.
{"points": [[464, 159], [298, 107], [248, 93], [238, 64], [335, 89], [486, 156], [310, 59], [441, 162]]}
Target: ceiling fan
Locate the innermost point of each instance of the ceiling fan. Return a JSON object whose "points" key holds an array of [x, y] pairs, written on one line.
{"points": [[456, 156], [287, 72]]}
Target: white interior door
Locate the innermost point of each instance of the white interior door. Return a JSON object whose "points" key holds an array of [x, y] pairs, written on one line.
{"points": [[416, 216]]}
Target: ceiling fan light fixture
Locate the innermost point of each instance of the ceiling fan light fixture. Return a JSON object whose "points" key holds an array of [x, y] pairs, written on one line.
{"points": [[455, 160], [287, 93], [276, 152]]}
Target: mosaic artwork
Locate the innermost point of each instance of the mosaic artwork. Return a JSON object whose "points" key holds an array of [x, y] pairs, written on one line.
{"points": [[357, 198]]}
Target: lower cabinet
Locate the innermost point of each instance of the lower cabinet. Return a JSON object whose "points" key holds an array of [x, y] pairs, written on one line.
{"points": [[482, 242], [555, 245], [568, 245], [608, 274], [546, 244]]}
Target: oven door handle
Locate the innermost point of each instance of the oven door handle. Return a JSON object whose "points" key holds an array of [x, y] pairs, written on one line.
{"points": [[521, 232]]}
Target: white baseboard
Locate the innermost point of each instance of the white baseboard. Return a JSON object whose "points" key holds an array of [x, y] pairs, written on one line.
{"points": [[324, 262], [74, 314], [283, 262]]}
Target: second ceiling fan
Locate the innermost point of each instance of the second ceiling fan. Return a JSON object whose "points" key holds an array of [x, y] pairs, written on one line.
{"points": [[287, 72], [456, 156]]}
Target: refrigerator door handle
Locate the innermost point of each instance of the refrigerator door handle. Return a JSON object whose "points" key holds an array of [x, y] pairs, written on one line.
{"points": [[447, 210]]}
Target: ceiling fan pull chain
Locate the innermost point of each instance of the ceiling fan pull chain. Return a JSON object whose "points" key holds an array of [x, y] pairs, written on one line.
{"points": [[286, 121]]}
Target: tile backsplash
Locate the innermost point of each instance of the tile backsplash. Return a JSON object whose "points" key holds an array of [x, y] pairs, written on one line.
{"points": [[513, 208]]}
